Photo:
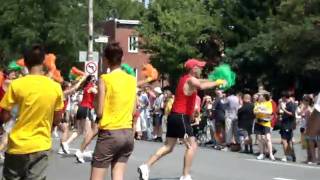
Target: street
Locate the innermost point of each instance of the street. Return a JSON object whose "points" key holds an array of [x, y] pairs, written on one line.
{"points": [[209, 164]]}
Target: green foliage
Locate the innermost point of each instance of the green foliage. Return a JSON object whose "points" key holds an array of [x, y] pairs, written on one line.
{"points": [[60, 25]]}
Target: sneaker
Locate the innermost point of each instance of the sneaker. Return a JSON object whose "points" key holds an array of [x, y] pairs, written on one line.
{"points": [[1, 156], [186, 177], [226, 149], [272, 158], [261, 157], [60, 151], [284, 159], [88, 154], [80, 156], [143, 171], [65, 148]]}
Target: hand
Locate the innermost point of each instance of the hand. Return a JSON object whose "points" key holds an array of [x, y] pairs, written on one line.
{"points": [[220, 82]]}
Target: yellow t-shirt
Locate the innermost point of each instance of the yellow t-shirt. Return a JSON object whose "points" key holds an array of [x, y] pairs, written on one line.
{"points": [[37, 98], [119, 100], [263, 110]]}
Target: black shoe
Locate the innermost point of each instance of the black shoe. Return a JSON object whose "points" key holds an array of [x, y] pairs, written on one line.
{"points": [[294, 159], [274, 151], [158, 139]]}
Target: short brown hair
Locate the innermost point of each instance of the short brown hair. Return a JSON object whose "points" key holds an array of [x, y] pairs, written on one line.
{"points": [[113, 53]]}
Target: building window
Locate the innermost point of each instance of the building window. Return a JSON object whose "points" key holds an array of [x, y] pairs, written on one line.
{"points": [[133, 44]]}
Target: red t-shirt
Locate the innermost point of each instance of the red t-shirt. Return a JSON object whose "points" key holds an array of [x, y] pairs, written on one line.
{"points": [[184, 104], [88, 98], [2, 92]]}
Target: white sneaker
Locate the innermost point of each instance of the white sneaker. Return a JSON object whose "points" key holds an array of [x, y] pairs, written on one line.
{"points": [[186, 177], [60, 151], [143, 171], [284, 159], [65, 148], [88, 154], [80, 156], [260, 157]]}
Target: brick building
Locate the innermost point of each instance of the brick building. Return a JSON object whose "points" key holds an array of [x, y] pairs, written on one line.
{"points": [[124, 32]]}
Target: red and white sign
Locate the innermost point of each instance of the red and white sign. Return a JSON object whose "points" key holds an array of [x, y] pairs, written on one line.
{"points": [[91, 68]]}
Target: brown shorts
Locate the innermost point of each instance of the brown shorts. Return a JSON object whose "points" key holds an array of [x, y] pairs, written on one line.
{"points": [[112, 146]]}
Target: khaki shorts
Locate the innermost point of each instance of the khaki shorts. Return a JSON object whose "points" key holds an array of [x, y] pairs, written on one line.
{"points": [[113, 146], [25, 166]]}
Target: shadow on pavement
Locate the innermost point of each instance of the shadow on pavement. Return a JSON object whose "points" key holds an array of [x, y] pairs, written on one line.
{"points": [[173, 178]]}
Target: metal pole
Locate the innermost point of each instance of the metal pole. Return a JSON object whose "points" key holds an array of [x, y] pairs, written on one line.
{"points": [[90, 25]]}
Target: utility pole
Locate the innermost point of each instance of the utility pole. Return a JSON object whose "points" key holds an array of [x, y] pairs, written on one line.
{"points": [[90, 25]]}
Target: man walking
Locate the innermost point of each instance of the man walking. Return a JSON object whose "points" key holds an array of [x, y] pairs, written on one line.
{"points": [[39, 100], [116, 107]]}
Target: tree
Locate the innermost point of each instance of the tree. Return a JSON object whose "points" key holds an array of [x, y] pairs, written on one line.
{"points": [[172, 31]]}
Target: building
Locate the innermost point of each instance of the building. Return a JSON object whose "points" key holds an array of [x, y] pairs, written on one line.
{"points": [[123, 31]]}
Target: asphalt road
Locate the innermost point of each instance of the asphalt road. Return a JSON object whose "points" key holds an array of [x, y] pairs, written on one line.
{"points": [[209, 164]]}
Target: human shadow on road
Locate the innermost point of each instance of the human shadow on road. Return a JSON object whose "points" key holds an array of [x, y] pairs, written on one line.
{"points": [[172, 178]]}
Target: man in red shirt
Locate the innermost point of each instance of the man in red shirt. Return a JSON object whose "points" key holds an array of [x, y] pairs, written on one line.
{"points": [[179, 121]]}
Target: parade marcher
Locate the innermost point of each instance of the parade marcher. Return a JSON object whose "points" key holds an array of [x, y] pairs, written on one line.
{"points": [[179, 121], [116, 107], [84, 118], [39, 109]]}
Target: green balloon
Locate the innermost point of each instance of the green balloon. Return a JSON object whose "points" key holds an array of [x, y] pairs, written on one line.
{"points": [[223, 72], [13, 66], [128, 69]]}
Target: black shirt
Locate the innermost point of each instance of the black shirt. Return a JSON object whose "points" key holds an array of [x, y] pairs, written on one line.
{"points": [[246, 116], [288, 121], [219, 110]]}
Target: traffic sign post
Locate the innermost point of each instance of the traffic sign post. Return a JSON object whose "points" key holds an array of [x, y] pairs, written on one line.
{"points": [[91, 68]]}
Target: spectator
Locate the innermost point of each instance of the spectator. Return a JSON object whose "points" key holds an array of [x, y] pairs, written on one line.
{"points": [[245, 123], [262, 126], [287, 127], [219, 116], [158, 109], [232, 106]]}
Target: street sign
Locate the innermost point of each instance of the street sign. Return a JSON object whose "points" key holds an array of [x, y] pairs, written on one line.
{"points": [[102, 39], [83, 56], [91, 68]]}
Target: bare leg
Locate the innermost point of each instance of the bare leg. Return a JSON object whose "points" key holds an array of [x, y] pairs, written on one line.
{"points": [[285, 147], [98, 173], [80, 130], [260, 143], [164, 150], [88, 138], [65, 132], [191, 146], [118, 170], [269, 145], [4, 141]]}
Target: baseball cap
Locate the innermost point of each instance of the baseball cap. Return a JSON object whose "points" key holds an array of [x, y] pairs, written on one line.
{"points": [[191, 63], [158, 90]]}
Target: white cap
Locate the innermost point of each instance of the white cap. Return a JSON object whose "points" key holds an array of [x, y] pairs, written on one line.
{"points": [[158, 90]]}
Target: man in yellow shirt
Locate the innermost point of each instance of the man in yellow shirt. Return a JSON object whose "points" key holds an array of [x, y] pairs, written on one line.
{"points": [[39, 100], [116, 106], [262, 126]]}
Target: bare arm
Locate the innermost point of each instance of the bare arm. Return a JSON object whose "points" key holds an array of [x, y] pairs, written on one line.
{"points": [[75, 87], [57, 117], [5, 115], [101, 96], [202, 85]]}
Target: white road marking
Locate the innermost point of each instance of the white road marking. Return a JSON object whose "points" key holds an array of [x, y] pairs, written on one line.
{"points": [[279, 178], [284, 164]]}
